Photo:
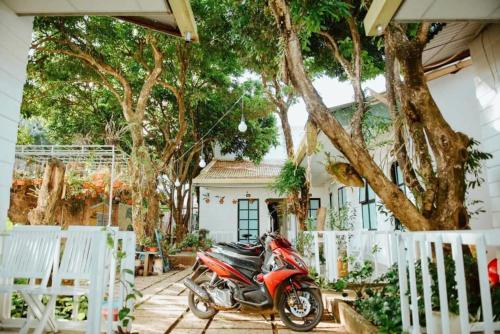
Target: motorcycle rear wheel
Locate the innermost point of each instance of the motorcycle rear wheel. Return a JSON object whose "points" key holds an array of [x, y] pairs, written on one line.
{"points": [[199, 308], [307, 322]]}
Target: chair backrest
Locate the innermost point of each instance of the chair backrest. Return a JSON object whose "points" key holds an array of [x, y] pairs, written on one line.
{"points": [[82, 249], [30, 252]]}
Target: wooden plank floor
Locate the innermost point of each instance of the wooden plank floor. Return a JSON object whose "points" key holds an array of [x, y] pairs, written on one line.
{"points": [[163, 310]]}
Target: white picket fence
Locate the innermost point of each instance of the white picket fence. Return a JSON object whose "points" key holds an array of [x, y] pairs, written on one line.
{"points": [[125, 241], [405, 249], [380, 247], [428, 247]]}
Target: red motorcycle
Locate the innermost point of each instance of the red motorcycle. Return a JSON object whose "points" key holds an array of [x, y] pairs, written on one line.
{"points": [[267, 278]]}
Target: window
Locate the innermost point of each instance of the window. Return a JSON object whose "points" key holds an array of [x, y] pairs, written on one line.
{"points": [[368, 209], [314, 205], [342, 197], [248, 220], [398, 178]]}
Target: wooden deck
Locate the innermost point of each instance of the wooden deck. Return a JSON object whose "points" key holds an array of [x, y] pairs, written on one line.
{"points": [[163, 310]]}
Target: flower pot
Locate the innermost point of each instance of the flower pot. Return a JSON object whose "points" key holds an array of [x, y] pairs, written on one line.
{"points": [[104, 311], [151, 249], [342, 267], [453, 319]]}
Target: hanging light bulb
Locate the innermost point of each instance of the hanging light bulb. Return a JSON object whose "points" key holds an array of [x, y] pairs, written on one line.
{"points": [[177, 183], [202, 163], [242, 127]]}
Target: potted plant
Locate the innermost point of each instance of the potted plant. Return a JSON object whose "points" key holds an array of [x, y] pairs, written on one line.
{"points": [[190, 243], [149, 244]]}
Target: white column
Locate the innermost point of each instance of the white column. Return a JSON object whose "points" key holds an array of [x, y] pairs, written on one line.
{"points": [[15, 39]]}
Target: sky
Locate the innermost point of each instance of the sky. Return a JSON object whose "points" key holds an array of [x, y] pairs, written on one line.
{"points": [[334, 93]]}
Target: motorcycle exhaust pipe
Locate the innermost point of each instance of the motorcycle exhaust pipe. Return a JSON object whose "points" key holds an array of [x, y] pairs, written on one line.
{"points": [[198, 290]]}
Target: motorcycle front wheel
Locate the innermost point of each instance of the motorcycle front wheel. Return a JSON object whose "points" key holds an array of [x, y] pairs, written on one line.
{"points": [[304, 313], [201, 309]]}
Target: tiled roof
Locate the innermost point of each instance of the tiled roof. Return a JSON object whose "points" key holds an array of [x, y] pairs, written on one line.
{"points": [[231, 172]]}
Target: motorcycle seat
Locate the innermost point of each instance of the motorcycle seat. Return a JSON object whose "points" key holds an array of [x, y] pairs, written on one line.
{"points": [[236, 248], [252, 264]]}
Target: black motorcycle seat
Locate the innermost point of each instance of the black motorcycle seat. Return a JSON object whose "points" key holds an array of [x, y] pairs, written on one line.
{"points": [[251, 264], [235, 248]]}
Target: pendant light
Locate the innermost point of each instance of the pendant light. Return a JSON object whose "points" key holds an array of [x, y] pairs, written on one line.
{"points": [[242, 127], [202, 163]]}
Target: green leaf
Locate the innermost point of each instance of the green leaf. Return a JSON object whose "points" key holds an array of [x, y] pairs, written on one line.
{"points": [[123, 313]]}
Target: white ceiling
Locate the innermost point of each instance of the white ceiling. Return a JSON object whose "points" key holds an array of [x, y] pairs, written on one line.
{"points": [[450, 42], [448, 10], [95, 7]]}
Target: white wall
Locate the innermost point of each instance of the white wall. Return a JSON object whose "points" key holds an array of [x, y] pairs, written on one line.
{"points": [[223, 218], [15, 38], [485, 54], [455, 94]]}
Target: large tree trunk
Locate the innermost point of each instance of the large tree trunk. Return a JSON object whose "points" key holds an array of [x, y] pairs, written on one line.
{"points": [[145, 209], [49, 196], [391, 195], [443, 201]]}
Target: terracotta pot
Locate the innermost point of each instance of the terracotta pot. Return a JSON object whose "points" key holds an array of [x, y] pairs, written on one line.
{"points": [[151, 249], [105, 312], [342, 267]]}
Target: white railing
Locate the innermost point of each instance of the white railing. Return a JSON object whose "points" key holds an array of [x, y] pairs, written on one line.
{"points": [[357, 246], [409, 249], [127, 264], [428, 248]]}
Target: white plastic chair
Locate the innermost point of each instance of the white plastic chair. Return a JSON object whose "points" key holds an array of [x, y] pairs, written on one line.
{"points": [[83, 259], [29, 252]]}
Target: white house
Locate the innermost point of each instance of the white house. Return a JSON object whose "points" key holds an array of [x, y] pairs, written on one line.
{"points": [[236, 201]]}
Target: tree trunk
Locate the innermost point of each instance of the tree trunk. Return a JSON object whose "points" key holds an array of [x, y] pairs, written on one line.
{"points": [[287, 131], [444, 196], [180, 227], [391, 195], [49, 196], [145, 209]]}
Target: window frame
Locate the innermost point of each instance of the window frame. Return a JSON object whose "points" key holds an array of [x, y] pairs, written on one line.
{"points": [[401, 185], [341, 193], [248, 230], [370, 203], [309, 210]]}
